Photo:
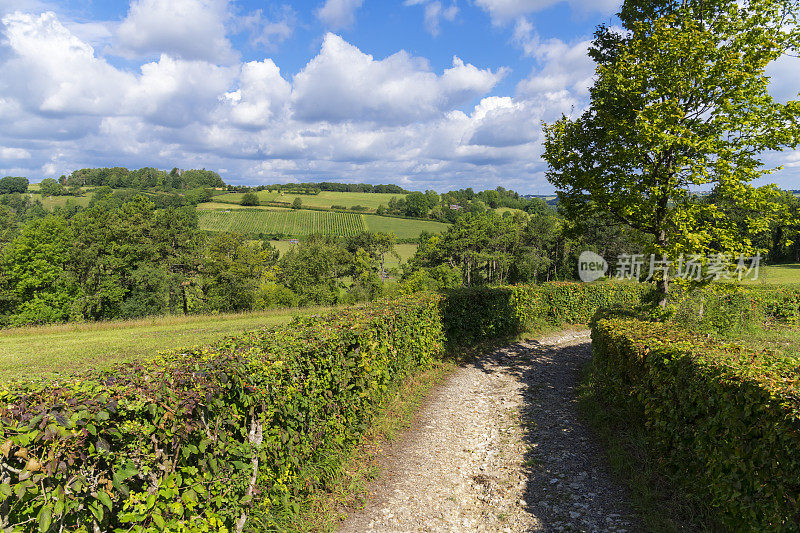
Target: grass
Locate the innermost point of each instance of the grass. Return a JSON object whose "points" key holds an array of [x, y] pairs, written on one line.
{"points": [[288, 222], [403, 228], [50, 202], [778, 274], [221, 205], [348, 489], [64, 348], [236, 197], [325, 199]]}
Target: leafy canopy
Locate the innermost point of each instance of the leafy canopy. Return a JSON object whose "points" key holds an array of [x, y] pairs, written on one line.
{"points": [[679, 104]]}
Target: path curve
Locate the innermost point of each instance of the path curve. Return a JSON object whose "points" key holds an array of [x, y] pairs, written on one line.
{"points": [[500, 448]]}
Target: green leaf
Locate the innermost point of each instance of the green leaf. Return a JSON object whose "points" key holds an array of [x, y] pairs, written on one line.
{"points": [[104, 498], [45, 518]]}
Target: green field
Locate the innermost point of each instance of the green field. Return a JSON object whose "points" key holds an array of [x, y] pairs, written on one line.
{"points": [[236, 197], [286, 222], [50, 202], [405, 251], [40, 351], [403, 228], [778, 274], [325, 199]]}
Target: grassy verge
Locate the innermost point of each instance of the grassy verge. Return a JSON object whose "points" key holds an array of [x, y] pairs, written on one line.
{"points": [[621, 432], [64, 348], [348, 486]]}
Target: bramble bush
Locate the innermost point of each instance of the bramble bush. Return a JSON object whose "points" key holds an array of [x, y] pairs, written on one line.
{"points": [[722, 420]]}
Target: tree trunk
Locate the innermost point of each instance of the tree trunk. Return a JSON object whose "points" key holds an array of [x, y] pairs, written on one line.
{"points": [[663, 284]]}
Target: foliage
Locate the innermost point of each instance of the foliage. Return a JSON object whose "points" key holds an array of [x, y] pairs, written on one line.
{"points": [[474, 314], [11, 184], [250, 199], [50, 187], [680, 102], [297, 203], [174, 444], [722, 418], [284, 222]]}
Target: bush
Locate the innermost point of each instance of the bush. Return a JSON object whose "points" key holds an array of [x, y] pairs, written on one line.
{"points": [[250, 199], [722, 420], [173, 443], [472, 314]]}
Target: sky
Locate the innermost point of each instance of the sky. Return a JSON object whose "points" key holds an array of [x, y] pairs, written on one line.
{"points": [[427, 94]]}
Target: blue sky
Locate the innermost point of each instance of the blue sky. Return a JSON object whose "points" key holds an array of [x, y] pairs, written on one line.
{"points": [[435, 94]]}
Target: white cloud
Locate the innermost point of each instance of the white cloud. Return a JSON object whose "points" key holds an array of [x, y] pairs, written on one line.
{"points": [[263, 95], [14, 153], [338, 14], [564, 67], [52, 71], [503, 11], [344, 84], [174, 92], [434, 12], [346, 114], [187, 29], [267, 32]]}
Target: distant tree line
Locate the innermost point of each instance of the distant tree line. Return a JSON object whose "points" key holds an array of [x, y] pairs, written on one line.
{"points": [[315, 188], [143, 178], [124, 256]]}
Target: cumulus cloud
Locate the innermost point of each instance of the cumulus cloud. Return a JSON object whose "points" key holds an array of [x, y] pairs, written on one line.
{"points": [[263, 95], [187, 29], [338, 14], [173, 92], [346, 113], [344, 84], [51, 70]]}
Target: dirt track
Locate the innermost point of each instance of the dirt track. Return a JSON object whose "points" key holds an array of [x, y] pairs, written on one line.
{"points": [[500, 447]]}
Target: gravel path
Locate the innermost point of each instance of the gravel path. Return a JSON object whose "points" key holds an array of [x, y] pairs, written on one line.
{"points": [[500, 448]]}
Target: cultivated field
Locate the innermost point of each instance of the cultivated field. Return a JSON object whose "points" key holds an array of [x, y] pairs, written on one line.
{"points": [[286, 222], [236, 197], [325, 199], [40, 351], [403, 228]]}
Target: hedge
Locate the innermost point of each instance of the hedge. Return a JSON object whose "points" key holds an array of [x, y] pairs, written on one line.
{"points": [[723, 420], [474, 314], [193, 440], [190, 441]]}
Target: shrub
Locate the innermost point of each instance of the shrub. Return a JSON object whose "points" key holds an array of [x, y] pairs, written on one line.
{"points": [[471, 314], [190, 441], [723, 420], [250, 199]]}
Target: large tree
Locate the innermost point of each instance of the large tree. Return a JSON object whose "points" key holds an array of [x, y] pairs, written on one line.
{"points": [[680, 103]]}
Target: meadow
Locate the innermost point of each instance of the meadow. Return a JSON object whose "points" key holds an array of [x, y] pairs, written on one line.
{"points": [[325, 199], [403, 228], [43, 351], [286, 222]]}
